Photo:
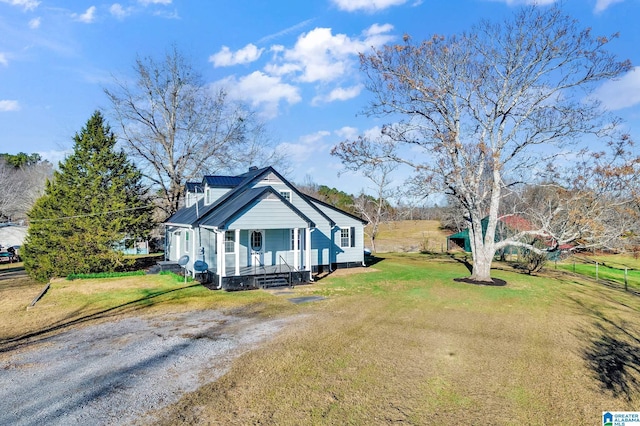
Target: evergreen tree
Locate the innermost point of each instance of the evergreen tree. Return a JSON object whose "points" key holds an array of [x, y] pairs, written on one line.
{"points": [[93, 202]]}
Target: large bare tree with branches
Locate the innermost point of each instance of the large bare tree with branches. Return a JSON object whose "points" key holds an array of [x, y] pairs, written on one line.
{"points": [[484, 110], [176, 128]]}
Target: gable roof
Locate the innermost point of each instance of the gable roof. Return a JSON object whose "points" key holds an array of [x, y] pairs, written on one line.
{"points": [[193, 186], [221, 217], [199, 212], [322, 203]]}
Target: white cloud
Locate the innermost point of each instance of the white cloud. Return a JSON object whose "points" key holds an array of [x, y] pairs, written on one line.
{"points": [[148, 2], [54, 157], [8, 105], [320, 56], [225, 57], [3, 59], [118, 11], [262, 91], [87, 17], [373, 133], [366, 5], [621, 93], [25, 4], [35, 23], [314, 138], [308, 146], [602, 5], [347, 132], [339, 94]]}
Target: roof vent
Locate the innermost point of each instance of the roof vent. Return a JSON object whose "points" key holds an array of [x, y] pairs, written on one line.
{"points": [[253, 168]]}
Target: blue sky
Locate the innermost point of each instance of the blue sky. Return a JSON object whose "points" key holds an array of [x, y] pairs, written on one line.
{"points": [[294, 61]]}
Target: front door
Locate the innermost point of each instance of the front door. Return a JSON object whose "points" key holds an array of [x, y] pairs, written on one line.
{"points": [[256, 246]]}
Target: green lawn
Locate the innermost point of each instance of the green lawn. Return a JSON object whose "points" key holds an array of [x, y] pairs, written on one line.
{"points": [[611, 269], [398, 342], [404, 343]]}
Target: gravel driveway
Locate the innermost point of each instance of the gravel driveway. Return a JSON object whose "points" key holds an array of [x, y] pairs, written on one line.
{"points": [[113, 373]]}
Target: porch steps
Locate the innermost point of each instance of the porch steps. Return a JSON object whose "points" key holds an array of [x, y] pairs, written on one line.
{"points": [[274, 280]]}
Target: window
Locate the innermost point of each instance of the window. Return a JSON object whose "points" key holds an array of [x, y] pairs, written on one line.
{"points": [[230, 242], [256, 240], [207, 196], [186, 241], [348, 237], [286, 194], [295, 245], [345, 239]]}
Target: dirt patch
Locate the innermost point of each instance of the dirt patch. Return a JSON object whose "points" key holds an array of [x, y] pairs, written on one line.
{"points": [[113, 373]]}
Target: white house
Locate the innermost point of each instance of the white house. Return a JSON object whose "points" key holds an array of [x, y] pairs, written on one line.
{"points": [[257, 229]]}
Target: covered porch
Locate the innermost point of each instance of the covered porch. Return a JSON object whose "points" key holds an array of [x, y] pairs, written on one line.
{"points": [[255, 258]]}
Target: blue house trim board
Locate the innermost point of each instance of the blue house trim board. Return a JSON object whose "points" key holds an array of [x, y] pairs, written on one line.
{"points": [[256, 229]]}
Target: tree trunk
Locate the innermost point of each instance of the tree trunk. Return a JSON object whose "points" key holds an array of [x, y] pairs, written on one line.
{"points": [[482, 251], [482, 258]]}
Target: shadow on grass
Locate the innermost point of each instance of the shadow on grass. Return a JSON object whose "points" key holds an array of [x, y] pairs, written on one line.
{"points": [[615, 362], [36, 336], [612, 352], [463, 261], [372, 260]]}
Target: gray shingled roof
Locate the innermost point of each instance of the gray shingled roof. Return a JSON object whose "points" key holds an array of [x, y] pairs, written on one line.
{"points": [[230, 203], [220, 217]]}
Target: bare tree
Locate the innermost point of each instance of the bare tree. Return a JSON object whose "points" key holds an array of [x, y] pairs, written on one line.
{"points": [[484, 109], [177, 129], [376, 209], [21, 186]]}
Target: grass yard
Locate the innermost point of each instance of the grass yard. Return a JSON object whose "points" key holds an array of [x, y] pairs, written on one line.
{"points": [[604, 272], [73, 303], [397, 342], [403, 342], [610, 271], [410, 236]]}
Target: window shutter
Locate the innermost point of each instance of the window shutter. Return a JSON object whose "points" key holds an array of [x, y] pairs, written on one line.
{"points": [[353, 236]]}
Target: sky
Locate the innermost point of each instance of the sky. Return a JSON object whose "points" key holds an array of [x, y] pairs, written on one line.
{"points": [[295, 62]]}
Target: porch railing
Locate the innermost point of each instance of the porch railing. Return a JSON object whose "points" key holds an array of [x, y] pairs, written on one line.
{"points": [[258, 264], [292, 271]]}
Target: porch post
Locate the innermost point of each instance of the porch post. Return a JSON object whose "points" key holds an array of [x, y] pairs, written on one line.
{"points": [[236, 248], [193, 261], [296, 248], [221, 256], [307, 249], [166, 243]]}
